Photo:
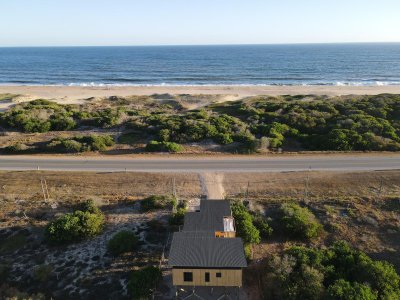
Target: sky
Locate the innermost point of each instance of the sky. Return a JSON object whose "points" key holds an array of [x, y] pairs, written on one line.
{"points": [[194, 22]]}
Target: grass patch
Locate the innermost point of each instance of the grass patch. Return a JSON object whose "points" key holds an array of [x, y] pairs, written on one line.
{"points": [[7, 97]]}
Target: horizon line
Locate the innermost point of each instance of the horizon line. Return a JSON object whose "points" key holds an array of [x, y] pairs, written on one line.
{"points": [[199, 45]]}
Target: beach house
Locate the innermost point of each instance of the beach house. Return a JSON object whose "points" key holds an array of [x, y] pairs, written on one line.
{"points": [[206, 252]]}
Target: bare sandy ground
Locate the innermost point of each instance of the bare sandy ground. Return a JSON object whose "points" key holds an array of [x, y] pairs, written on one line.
{"points": [[212, 185], [74, 94]]}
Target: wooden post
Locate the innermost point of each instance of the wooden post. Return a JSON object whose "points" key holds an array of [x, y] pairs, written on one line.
{"points": [[44, 193]]}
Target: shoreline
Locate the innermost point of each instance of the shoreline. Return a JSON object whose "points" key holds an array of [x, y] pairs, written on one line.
{"points": [[76, 93]]}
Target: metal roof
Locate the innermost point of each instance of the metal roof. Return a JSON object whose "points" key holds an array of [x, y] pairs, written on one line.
{"points": [[198, 250], [210, 217]]}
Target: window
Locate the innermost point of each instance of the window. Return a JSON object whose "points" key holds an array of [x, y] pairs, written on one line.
{"points": [[219, 275], [207, 277], [188, 276]]}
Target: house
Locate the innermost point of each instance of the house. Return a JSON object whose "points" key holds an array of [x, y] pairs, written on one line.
{"points": [[206, 251]]}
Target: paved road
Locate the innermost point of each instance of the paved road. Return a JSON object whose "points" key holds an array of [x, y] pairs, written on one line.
{"points": [[237, 164]]}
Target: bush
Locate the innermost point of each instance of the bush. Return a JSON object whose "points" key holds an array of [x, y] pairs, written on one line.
{"points": [[80, 144], [154, 146], [299, 222], [244, 224], [345, 273], [16, 148], [156, 202], [344, 290], [247, 251], [74, 227], [177, 218], [262, 226], [122, 242], [142, 283]]}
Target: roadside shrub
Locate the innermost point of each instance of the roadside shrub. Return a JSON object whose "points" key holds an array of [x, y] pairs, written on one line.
{"points": [[154, 146], [299, 222], [122, 242], [156, 202], [80, 144], [16, 148], [143, 282], [74, 227]]}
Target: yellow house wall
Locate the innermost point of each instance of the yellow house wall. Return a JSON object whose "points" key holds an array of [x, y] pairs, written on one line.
{"points": [[230, 277]]}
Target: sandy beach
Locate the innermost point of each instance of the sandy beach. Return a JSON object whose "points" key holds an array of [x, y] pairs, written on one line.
{"points": [[73, 93]]}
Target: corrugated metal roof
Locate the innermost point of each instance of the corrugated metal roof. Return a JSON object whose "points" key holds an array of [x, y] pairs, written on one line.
{"points": [[197, 250], [210, 217]]}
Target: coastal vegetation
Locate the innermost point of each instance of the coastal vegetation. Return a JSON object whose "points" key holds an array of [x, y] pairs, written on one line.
{"points": [[254, 124], [122, 242], [360, 207], [85, 222], [157, 202], [337, 272], [298, 222]]}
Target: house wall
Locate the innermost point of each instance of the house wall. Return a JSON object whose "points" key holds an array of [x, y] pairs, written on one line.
{"points": [[230, 277], [225, 234]]}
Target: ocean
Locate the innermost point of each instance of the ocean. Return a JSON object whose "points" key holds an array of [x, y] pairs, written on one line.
{"points": [[303, 64]]}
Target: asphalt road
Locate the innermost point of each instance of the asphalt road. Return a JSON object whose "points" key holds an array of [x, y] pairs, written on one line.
{"points": [[184, 164]]}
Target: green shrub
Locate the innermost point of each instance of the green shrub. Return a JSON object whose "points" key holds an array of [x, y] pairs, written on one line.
{"points": [[74, 227], [16, 148], [299, 222], [337, 272], [80, 144], [244, 224], [122, 242], [261, 224], [248, 251], [157, 202], [142, 283], [344, 290], [177, 218], [154, 146]]}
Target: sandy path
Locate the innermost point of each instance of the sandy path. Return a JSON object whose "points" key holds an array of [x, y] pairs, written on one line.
{"points": [[212, 185]]}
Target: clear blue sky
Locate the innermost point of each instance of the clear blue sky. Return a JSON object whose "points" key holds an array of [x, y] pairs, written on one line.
{"points": [[160, 22]]}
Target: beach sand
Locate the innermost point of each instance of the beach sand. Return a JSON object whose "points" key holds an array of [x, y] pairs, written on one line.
{"points": [[74, 94]]}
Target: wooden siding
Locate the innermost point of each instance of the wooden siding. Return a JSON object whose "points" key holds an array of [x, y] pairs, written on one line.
{"points": [[230, 277], [225, 234]]}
